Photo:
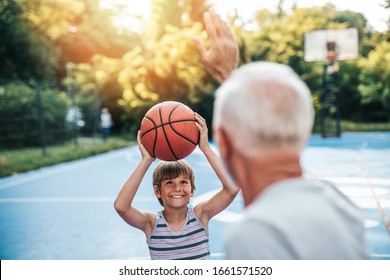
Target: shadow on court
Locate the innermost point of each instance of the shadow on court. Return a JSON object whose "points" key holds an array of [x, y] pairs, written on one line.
{"points": [[66, 211]]}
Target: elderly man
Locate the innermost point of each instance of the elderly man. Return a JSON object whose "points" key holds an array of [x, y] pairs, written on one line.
{"points": [[263, 116]]}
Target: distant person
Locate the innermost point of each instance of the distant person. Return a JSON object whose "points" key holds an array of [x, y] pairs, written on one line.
{"points": [[180, 230], [263, 116], [105, 123]]}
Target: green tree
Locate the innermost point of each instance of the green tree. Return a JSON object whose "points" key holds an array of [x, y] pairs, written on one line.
{"points": [[25, 51], [92, 32], [94, 45], [349, 94], [280, 38], [163, 13], [387, 6], [375, 83], [166, 66], [52, 17], [29, 31]]}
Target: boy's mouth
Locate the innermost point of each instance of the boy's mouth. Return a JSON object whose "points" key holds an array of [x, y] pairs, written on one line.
{"points": [[177, 196]]}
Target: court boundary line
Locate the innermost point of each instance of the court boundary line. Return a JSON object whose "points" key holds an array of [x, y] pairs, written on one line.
{"points": [[57, 168], [67, 199], [374, 195]]}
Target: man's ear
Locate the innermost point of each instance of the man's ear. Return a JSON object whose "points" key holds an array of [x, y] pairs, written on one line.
{"points": [[157, 192], [224, 143]]}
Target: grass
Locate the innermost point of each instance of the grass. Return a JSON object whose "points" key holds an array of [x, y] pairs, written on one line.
{"points": [[348, 126], [21, 160]]}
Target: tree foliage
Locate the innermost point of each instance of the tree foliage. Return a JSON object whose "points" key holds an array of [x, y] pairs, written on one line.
{"points": [[25, 40], [165, 66], [93, 32], [375, 83], [129, 71]]}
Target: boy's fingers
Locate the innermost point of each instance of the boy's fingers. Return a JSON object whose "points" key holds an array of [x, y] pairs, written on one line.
{"points": [[200, 127], [200, 117]]}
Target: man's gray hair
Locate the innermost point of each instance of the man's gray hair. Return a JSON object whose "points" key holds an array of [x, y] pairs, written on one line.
{"points": [[264, 106]]}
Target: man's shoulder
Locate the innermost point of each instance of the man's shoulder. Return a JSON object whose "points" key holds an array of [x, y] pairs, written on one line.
{"points": [[254, 238], [252, 224]]}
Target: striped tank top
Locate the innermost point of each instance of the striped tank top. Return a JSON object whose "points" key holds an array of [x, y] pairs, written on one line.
{"points": [[188, 243]]}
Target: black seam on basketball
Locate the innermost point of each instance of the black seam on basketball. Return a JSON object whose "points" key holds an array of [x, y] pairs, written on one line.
{"points": [[161, 125], [155, 143], [183, 136], [155, 138], [154, 126], [165, 135]]}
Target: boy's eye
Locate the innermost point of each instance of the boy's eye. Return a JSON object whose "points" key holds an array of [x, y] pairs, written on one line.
{"points": [[184, 182]]}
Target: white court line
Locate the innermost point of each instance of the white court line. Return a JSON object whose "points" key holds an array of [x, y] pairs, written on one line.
{"points": [[55, 199], [362, 197], [381, 255], [219, 255], [366, 201], [67, 199], [370, 203], [363, 192], [64, 167], [370, 223], [359, 180]]}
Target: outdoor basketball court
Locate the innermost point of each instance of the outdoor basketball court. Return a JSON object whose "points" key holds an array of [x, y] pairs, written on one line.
{"points": [[66, 211]]}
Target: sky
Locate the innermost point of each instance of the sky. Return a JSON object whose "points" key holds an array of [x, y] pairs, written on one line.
{"points": [[373, 10]]}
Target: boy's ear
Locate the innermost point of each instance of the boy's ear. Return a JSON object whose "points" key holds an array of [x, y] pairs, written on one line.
{"points": [[157, 192]]}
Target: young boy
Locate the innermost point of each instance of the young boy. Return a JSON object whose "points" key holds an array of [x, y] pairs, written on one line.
{"points": [[179, 231]]}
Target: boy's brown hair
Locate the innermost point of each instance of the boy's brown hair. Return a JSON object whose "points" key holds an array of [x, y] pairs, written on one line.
{"points": [[167, 170]]}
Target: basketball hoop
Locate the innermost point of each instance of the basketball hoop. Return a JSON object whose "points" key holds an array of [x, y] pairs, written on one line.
{"points": [[331, 51], [331, 45]]}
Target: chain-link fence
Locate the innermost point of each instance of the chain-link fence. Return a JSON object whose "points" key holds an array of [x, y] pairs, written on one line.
{"points": [[37, 113]]}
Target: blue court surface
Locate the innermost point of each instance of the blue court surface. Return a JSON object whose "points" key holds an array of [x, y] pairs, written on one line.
{"points": [[66, 211]]}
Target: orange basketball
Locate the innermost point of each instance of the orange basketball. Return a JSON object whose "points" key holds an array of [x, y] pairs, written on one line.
{"points": [[168, 131]]}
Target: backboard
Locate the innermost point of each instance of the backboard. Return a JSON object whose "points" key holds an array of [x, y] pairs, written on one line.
{"points": [[334, 44]]}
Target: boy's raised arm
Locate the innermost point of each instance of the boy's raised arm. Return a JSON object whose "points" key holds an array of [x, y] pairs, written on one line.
{"points": [[123, 202], [226, 195]]}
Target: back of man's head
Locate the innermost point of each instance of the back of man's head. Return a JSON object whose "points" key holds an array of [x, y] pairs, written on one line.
{"points": [[264, 106]]}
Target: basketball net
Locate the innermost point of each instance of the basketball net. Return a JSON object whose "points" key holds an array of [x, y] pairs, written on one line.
{"points": [[331, 58]]}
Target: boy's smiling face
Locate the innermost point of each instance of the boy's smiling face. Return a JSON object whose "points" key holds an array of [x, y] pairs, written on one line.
{"points": [[175, 192]]}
